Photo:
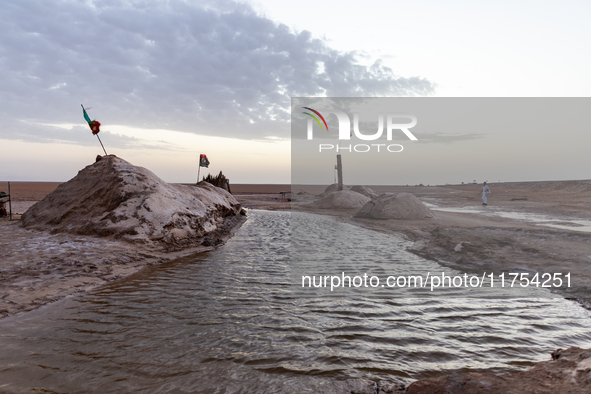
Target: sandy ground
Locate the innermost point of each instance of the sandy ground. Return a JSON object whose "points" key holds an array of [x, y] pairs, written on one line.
{"points": [[566, 373]]}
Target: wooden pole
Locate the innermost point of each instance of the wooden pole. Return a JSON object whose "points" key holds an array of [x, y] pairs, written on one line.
{"points": [[199, 170], [99, 138], [9, 201], [340, 172]]}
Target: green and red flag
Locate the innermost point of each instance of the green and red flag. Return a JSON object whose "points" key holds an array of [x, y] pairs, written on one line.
{"points": [[94, 126], [203, 162]]}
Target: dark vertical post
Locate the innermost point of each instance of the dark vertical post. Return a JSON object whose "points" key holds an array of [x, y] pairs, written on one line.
{"points": [[9, 201], [99, 138], [340, 172]]}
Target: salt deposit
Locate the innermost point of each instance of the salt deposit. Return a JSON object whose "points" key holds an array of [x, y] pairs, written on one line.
{"points": [[395, 206], [332, 188], [366, 191], [344, 199], [115, 198]]}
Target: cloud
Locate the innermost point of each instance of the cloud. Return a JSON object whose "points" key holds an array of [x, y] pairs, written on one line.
{"points": [[79, 135], [212, 68]]}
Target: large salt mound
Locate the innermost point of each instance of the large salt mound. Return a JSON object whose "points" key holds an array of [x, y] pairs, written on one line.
{"points": [[395, 206], [115, 198], [344, 199]]}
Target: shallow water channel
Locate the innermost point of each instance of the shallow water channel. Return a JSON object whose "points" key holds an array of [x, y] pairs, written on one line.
{"points": [[232, 321]]}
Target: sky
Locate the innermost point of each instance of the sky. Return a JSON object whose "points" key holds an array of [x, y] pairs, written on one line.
{"points": [[169, 80]]}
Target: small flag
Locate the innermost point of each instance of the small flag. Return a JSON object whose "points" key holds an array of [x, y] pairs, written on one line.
{"points": [[203, 162], [93, 124], [336, 167], [86, 115]]}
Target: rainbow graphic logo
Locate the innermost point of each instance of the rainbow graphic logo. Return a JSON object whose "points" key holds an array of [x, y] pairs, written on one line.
{"points": [[315, 118]]}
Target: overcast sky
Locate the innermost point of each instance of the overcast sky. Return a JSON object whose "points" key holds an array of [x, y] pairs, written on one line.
{"points": [[171, 79]]}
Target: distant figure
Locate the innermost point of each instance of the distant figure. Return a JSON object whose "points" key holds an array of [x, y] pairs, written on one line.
{"points": [[485, 191]]}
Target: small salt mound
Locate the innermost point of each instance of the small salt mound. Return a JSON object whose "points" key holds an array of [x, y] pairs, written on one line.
{"points": [[395, 206], [344, 199], [366, 191], [332, 188], [115, 198]]}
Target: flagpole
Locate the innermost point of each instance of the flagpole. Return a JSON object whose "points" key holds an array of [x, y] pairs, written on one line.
{"points": [[99, 138], [199, 170]]}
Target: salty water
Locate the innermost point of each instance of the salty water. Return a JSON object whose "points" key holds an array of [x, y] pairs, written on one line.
{"points": [[564, 223], [233, 320]]}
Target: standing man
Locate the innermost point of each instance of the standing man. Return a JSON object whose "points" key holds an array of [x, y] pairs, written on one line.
{"points": [[485, 191]]}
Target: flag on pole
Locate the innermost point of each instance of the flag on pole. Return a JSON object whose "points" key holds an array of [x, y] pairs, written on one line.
{"points": [[86, 115], [203, 162], [94, 126], [336, 167]]}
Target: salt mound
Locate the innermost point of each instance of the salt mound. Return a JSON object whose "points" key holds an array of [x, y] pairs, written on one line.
{"points": [[115, 198], [331, 188], [366, 191], [395, 206], [344, 199]]}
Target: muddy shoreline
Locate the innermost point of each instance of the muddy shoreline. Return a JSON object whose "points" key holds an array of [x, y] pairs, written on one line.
{"points": [[39, 268]]}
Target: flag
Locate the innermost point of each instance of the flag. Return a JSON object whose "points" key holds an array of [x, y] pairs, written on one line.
{"points": [[86, 115], [203, 162], [93, 124], [336, 167]]}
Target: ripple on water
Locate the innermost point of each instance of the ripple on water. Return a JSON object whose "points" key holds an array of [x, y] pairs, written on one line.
{"points": [[230, 321]]}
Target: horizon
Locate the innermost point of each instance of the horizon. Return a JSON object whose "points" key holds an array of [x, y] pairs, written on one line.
{"points": [[368, 185]]}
